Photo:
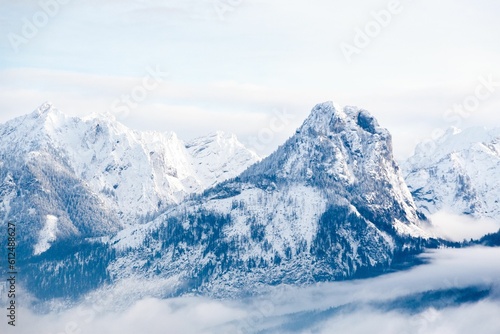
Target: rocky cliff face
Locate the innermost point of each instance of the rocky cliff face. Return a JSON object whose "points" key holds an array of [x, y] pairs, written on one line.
{"points": [[96, 176], [328, 204]]}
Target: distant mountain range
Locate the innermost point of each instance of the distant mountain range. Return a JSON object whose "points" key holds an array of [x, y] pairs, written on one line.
{"points": [[460, 174], [94, 176], [97, 203]]}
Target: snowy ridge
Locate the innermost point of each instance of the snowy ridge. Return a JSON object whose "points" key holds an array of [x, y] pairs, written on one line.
{"points": [[346, 149], [219, 156], [130, 175], [328, 204], [461, 175]]}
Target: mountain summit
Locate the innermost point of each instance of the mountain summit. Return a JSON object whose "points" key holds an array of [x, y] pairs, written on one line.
{"points": [[459, 175], [95, 175], [349, 156], [328, 204]]}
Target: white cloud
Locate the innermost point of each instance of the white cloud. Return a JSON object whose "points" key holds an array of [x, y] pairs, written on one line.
{"points": [[283, 308], [264, 55], [475, 318], [455, 227]]}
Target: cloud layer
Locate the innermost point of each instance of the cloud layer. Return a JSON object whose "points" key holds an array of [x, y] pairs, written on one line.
{"points": [[343, 307], [458, 228]]}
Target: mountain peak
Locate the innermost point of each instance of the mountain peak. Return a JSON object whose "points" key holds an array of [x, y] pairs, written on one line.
{"points": [[454, 140], [218, 138], [326, 205], [45, 110], [221, 155], [348, 155], [45, 107], [327, 118], [458, 174], [320, 117], [221, 136], [134, 172], [105, 116]]}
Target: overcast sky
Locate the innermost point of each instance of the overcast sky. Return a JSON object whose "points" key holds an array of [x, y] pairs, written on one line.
{"points": [[234, 65]]}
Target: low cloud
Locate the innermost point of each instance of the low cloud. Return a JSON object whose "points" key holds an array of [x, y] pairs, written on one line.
{"points": [[339, 307], [455, 227], [481, 317]]}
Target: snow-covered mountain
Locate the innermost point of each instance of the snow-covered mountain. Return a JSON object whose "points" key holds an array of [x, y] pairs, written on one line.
{"points": [[90, 177], [461, 174], [218, 157], [329, 204]]}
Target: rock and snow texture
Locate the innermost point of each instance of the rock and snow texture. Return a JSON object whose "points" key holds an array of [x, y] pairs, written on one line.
{"points": [[328, 204], [460, 174], [347, 154], [134, 171], [104, 174], [219, 157]]}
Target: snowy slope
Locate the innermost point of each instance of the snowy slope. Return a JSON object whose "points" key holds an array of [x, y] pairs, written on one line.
{"points": [[48, 234], [345, 149], [460, 176], [218, 157], [130, 175], [328, 204]]}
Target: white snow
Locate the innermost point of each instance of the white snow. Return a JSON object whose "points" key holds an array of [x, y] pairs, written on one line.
{"points": [[338, 157], [132, 236], [218, 157], [461, 174], [412, 230], [289, 216], [133, 173], [47, 235]]}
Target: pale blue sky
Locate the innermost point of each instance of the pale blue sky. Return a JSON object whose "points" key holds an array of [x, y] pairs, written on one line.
{"points": [[233, 74]]}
